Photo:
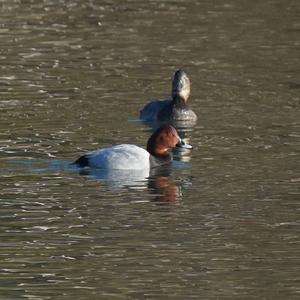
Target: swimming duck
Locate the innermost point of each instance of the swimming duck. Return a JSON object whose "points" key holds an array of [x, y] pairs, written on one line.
{"points": [[126, 156], [174, 109]]}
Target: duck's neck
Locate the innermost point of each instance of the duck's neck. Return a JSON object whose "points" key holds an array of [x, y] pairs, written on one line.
{"points": [[157, 150], [179, 102]]}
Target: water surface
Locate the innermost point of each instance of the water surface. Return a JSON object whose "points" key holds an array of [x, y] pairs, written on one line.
{"points": [[221, 223]]}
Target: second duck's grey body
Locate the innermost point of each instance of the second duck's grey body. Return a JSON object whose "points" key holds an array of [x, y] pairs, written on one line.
{"points": [[175, 109]]}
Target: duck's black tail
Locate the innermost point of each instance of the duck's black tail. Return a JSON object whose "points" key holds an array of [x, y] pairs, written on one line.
{"points": [[82, 161]]}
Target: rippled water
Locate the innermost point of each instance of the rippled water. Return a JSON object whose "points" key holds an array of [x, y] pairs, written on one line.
{"points": [[221, 223]]}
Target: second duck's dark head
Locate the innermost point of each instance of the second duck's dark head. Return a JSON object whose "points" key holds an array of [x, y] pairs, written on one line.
{"points": [[181, 86]]}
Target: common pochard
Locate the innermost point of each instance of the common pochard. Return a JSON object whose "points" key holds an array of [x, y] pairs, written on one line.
{"points": [[126, 156], [174, 109]]}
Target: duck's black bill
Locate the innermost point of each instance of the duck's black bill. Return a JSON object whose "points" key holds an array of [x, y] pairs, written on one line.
{"points": [[182, 144]]}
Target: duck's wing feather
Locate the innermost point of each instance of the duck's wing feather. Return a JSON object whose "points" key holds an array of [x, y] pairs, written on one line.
{"points": [[151, 110], [121, 157]]}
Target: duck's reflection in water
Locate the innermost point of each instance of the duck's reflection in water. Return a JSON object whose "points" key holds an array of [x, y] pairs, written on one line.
{"points": [[158, 181], [163, 187], [118, 178]]}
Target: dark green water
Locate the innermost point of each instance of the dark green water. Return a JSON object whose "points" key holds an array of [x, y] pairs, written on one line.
{"points": [[224, 224]]}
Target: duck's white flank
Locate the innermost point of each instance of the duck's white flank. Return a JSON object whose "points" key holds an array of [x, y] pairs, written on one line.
{"points": [[122, 157]]}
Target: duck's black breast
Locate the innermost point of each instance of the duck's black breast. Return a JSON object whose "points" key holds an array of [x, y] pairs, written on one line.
{"points": [[160, 161], [82, 161]]}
